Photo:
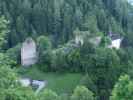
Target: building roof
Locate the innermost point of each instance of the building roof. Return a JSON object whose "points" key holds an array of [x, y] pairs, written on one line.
{"points": [[114, 36]]}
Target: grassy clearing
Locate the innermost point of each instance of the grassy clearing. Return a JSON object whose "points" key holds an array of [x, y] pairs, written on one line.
{"points": [[61, 83]]}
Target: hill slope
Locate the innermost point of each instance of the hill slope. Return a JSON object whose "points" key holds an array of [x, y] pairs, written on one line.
{"points": [[59, 18]]}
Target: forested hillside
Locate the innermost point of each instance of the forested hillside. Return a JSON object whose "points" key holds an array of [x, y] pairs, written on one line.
{"points": [[59, 18], [75, 49]]}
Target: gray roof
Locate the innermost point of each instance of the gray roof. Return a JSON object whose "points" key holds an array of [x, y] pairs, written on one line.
{"points": [[115, 36]]}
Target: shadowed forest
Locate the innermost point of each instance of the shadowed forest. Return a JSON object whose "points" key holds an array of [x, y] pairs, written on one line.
{"points": [[80, 49]]}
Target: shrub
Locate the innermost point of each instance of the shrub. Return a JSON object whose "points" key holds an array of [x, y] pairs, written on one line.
{"points": [[47, 95], [82, 93]]}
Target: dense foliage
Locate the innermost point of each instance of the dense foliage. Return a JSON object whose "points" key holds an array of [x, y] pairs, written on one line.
{"points": [[59, 18], [82, 93], [54, 24], [123, 89]]}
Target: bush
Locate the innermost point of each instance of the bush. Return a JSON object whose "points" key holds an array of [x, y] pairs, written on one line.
{"points": [[14, 53], [74, 61], [123, 90], [82, 93], [17, 94], [6, 60], [63, 97], [8, 77], [44, 51], [48, 95], [89, 83], [59, 62]]}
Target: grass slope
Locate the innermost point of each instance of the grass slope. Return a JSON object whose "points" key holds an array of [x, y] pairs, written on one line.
{"points": [[61, 83]]}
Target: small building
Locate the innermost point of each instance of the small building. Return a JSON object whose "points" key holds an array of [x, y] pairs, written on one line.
{"points": [[115, 41], [79, 40], [38, 84], [28, 52]]}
